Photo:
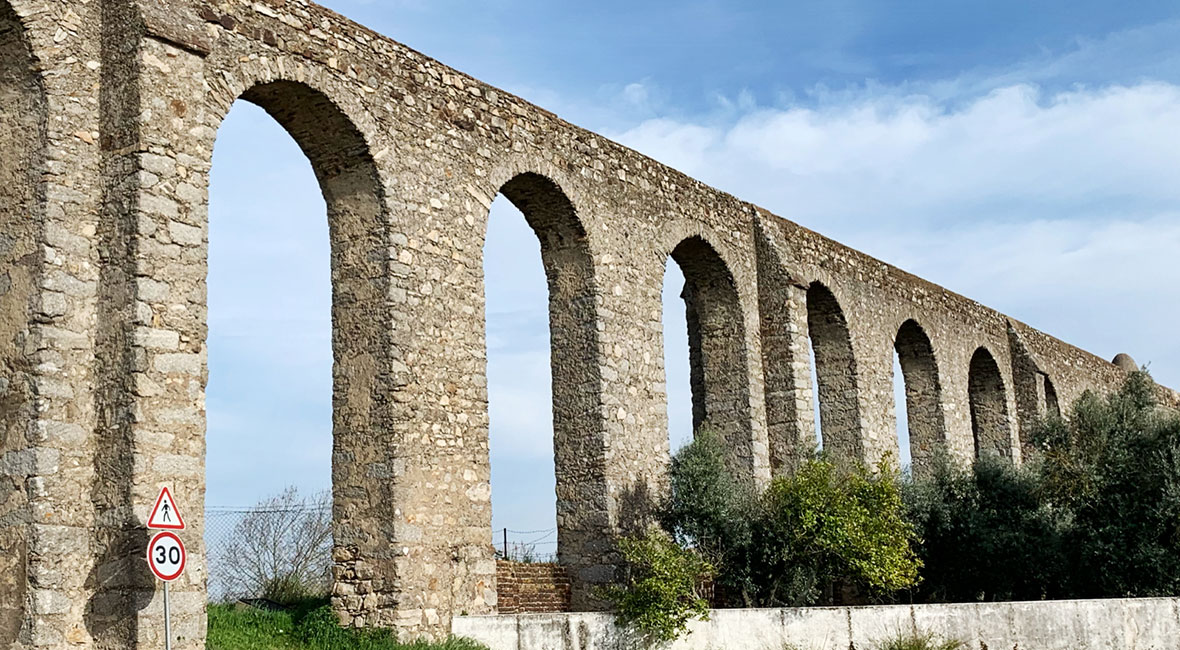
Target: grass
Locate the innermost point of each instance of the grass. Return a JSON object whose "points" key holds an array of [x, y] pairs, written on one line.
{"points": [[309, 625], [906, 641], [914, 641]]}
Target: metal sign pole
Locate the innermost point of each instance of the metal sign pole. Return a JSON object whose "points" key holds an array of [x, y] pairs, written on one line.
{"points": [[167, 621]]}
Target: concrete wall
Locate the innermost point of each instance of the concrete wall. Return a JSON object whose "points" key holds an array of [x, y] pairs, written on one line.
{"points": [[1140, 624]]}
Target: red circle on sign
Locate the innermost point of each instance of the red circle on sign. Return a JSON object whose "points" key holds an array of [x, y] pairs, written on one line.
{"points": [[166, 556]]}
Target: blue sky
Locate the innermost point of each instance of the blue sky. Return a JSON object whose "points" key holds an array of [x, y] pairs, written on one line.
{"points": [[1024, 154]]}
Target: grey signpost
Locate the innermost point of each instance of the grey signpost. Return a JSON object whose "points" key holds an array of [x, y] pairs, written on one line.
{"points": [[165, 553]]}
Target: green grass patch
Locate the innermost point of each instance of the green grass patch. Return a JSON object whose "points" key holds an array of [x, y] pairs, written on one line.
{"points": [[309, 625], [912, 641]]}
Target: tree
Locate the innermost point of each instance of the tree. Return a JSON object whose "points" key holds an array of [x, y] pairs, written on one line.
{"points": [[280, 550], [987, 533], [1115, 467], [827, 525], [820, 526], [711, 511]]}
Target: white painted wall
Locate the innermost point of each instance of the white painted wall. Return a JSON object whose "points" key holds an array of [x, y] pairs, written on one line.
{"points": [[1130, 624]]}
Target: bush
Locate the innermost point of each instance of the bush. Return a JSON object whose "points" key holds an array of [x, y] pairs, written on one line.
{"points": [[1094, 513], [709, 510], [987, 534], [918, 641], [280, 550], [821, 526], [661, 589], [1115, 468], [826, 526]]}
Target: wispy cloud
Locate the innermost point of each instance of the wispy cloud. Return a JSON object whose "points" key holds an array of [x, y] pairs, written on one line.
{"points": [[1054, 207]]}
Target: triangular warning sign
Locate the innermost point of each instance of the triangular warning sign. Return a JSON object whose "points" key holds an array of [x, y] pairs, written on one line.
{"points": [[165, 515]]}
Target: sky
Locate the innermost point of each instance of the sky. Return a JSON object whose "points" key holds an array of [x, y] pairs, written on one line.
{"points": [[1023, 154]]}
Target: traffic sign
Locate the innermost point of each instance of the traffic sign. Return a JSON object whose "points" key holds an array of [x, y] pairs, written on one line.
{"points": [[166, 556], [165, 514]]}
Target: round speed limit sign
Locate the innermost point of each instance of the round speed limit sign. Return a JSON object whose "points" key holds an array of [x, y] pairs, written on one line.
{"points": [[166, 556]]}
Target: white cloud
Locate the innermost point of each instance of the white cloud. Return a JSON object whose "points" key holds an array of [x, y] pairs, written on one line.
{"points": [[873, 155], [1060, 209]]}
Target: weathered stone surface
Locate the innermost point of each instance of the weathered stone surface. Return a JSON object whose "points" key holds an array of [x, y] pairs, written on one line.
{"points": [[110, 113], [1149, 623]]}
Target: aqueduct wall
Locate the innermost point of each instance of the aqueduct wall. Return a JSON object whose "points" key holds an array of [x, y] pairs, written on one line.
{"points": [[110, 111]]}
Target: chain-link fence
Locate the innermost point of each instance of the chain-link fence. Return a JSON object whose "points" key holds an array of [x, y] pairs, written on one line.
{"points": [[280, 549], [283, 548]]}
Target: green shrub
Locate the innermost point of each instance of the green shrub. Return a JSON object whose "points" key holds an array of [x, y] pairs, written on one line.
{"points": [[660, 592], [820, 526], [987, 534], [918, 641], [824, 525], [1094, 513], [709, 510], [1115, 468]]}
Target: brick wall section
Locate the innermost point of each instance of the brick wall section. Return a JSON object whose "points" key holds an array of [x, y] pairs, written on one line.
{"points": [[532, 588]]}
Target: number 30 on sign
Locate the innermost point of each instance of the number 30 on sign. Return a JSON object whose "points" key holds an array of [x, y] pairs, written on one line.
{"points": [[166, 556]]}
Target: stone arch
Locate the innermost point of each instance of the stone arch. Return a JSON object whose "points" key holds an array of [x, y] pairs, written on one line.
{"points": [[988, 399], [578, 439], [835, 369], [923, 391], [171, 223], [717, 351], [361, 334], [23, 128]]}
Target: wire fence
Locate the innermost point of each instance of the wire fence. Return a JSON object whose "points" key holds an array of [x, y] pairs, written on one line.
{"points": [[249, 549], [528, 546], [281, 548]]}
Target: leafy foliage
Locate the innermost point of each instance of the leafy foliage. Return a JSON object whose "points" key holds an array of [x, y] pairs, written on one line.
{"points": [[1095, 512], [709, 510], [1115, 467], [788, 546], [987, 534], [661, 592], [825, 525]]}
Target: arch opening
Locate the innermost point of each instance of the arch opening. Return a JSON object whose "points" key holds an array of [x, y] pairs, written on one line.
{"points": [[1052, 406], [813, 375], [922, 396], [23, 124], [989, 406], [318, 342], [520, 401], [570, 366], [677, 383], [835, 374], [718, 381]]}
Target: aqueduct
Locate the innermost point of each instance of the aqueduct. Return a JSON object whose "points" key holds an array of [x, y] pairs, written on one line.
{"points": [[110, 109]]}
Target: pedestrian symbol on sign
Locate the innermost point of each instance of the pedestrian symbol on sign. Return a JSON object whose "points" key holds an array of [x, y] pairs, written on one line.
{"points": [[165, 514]]}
